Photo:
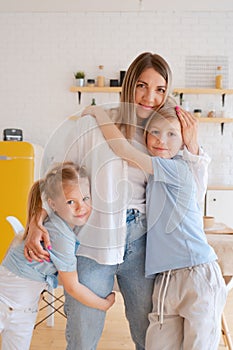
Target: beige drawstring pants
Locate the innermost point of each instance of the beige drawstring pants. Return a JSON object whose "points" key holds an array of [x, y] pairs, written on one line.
{"points": [[190, 309]]}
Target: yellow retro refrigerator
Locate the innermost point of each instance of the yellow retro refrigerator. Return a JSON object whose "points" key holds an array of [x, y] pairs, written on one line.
{"points": [[16, 178]]}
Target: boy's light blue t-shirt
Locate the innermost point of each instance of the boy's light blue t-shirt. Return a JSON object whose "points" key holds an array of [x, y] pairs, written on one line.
{"points": [[175, 235], [64, 244]]}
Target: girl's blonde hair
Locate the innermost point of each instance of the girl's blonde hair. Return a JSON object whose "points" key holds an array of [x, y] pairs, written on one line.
{"points": [[59, 176], [145, 60]]}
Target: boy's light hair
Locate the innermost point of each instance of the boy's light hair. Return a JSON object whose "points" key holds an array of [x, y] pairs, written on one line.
{"points": [[167, 111]]}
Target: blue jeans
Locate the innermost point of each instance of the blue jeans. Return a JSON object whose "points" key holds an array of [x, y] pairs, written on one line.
{"points": [[85, 325]]}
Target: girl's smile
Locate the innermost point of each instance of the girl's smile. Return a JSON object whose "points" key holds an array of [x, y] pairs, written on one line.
{"points": [[73, 205]]}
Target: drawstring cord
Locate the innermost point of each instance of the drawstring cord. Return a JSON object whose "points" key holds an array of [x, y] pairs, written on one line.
{"points": [[159, 296], [160, 304]]}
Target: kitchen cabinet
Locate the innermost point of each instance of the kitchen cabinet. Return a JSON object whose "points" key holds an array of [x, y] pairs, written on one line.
{"points": [[219, 203]]}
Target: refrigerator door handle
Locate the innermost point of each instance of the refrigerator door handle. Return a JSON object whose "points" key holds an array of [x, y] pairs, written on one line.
{"points": [[5, 158], [11, 158]]}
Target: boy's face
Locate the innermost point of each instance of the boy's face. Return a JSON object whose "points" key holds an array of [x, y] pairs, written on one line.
{"points": [[73, 203], [164, 138]]}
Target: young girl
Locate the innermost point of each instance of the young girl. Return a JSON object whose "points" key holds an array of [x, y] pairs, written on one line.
{"points": [[189, 290], [66, 190]]}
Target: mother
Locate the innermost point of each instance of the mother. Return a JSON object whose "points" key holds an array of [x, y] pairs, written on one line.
{"points": [[145, 88]]}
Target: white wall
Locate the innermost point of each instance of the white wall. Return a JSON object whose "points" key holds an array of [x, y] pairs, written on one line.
{"points": [[113, 5], [40, 50]]}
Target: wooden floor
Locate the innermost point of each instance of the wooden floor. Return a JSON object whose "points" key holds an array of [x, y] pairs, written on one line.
{"points": [[116, 332]]}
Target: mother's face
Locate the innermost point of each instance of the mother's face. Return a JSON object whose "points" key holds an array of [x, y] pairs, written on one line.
{"points": [[150, 92]]}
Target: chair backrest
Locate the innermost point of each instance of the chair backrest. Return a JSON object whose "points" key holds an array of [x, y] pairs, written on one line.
{"points": [[16, 224]]}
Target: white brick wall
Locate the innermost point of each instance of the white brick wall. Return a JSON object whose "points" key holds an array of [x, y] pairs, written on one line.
{"points": [[39, 52]]}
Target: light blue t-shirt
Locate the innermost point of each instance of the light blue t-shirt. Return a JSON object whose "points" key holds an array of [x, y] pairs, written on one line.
{"points": [[175, 235], [62, 255]]}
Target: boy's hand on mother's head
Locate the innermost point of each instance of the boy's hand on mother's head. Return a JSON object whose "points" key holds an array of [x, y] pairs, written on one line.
{"points": [[189, 126]]}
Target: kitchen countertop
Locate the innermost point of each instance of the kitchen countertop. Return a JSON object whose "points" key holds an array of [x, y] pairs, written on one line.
{"points": [[220, 187], [219, 228], [223, 246]]}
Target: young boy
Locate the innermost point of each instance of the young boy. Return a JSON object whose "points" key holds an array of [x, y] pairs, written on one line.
{"points": [[189, 291]]}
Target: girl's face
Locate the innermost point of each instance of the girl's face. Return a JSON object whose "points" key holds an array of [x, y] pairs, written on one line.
{"points": [[73, 204], [149, 93], [164, 138]]}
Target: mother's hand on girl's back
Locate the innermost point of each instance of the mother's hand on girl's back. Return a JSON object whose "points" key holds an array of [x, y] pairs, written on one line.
{"points": [[33, 249]]}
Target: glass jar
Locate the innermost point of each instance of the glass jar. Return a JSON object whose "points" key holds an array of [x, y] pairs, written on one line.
{"points": [[218, 78], [197, 113], [91, 82], [100, 77]]}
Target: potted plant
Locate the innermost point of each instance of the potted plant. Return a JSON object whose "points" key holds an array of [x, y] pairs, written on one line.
{"points": [[79, 76]]}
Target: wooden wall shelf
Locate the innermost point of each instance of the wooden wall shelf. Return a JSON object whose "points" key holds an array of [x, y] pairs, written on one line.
{"points": [[176, 91], [201, 91], [105, 89], [221, 121], [215, 120], [114, 89]]}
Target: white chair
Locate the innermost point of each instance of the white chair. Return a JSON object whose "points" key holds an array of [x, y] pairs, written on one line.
{"points": [[48, 295], [16, 224]]}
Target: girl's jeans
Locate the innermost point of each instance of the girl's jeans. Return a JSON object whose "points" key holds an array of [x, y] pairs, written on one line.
{"points": [[84, 324]]}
